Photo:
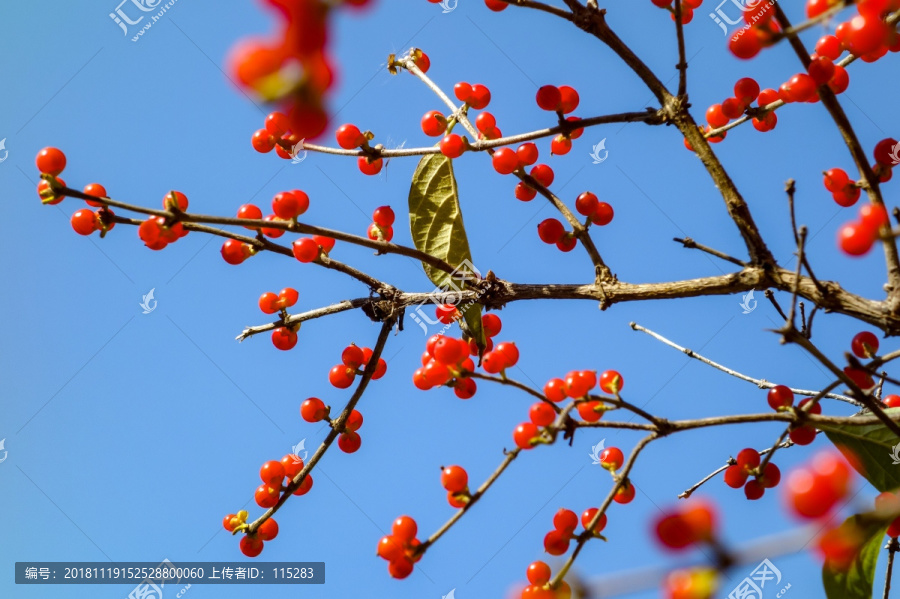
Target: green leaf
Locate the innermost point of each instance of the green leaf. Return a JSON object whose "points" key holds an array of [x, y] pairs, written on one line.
{"points": [[869, 449], [436, 224], [856, 581]]}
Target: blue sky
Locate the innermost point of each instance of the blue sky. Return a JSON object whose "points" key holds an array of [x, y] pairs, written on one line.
{"points": [[130, 435]]}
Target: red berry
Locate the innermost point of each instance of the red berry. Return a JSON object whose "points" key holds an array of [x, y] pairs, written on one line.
{"points": [[568, 99], [465, 388], [290, 204], [341, 377], [400, 568], [480, 98], [496, 5], [462, 91], [550, 230], [538, 573], [862, 378], [422, 61], [892, 401], [555, 390], [855, 239], [821, 69], [234, 252], [251, 547], [505, 161], [603, 215], [509, 351], [268, 530], [579, 383], [51, 161], [249, 211], [84, 221], [612, 458], [625, 493], [524, 433], [872, 218], [732, 108], [588, 515], [354, 421], [745, 43], [716, 117], [541, 414], [586, 204], [305, 249], [746, 90], [349, 442], [96, 190], [452, 146], [404, 529], [771, 476], [313, 410], [886, 152], [389, 548], [305, 486], [292, 464], [272, 473], [840, 81], [434, 123], [590, 411], [262, 141], [267, 496], [368, 166], [543, 174], [491, 324], [735, 477], [611, 382], [864, 345], [753, 490], [525, 192], [454, 479], [349, 137], [747, 459], [780, 396], [284, 338], [556, 542], [527, 153], [803, 435], [565, 521], [549, 97], [829, 47], [560, 145], [383, 216]]}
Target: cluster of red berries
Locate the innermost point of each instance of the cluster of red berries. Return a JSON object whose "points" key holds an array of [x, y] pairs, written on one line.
{"points": [[814, 490], [159, 231], [687, 8], [866, 35], [476, 96], [354, 360], [277, 128], [455, 481], [864, 345], [578, 383], [691, 523], [273, 474], [556, 542], [552, 232], [857, 238], [52, 161], [314, 410], [251, 544], [292, 67], [381, 228], [446, 361], [399, 547], [283, 337], [562, 100], [747, 465], [539, 574], [349, 137], [307, 249], [844, 191], [781, 399], [599, 213], [746, 90]]}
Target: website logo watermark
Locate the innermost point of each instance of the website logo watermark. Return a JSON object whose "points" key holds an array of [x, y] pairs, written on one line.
{"points": [[3, 149], [5, 453], [447, 294], [895, 453], [145, 302], [152, 588], [299, 447], [753, 586], [595, 152], [748, 303], [298, 153], [449, 7], [123, 19], [596, 450], [724, 21]]}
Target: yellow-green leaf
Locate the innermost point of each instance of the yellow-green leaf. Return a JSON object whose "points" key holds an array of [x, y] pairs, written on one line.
{"points": [[855, 581], [436, 224], [870, 450]]}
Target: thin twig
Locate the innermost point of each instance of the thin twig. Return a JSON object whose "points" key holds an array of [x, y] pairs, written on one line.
{"points": [[893, 547], [691, 244]]}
